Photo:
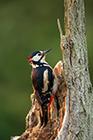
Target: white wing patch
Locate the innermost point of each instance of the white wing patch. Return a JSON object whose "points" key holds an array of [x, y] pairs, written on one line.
{"points": [[45, 81]]}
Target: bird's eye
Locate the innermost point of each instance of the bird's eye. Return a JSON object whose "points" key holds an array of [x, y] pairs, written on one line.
{"points": [[39, 54]]}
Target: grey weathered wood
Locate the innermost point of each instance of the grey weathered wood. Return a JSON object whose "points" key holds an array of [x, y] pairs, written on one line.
{"points": [[78, 120]]}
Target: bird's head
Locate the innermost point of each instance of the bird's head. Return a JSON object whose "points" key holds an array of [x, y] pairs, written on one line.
{"points": [[37, 57]]}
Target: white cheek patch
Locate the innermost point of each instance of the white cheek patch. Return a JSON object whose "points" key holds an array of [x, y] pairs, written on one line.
{"points": [[43, 60], [36, 58]]}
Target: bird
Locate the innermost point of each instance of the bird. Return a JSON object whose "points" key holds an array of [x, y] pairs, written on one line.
{"points": [[43, 81]]}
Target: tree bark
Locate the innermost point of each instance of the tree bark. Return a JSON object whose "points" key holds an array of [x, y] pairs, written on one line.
{"points": [[75, 92], [78, 122]]}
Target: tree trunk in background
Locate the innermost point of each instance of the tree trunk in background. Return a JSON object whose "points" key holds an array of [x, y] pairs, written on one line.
{"points": [[78, 120]]}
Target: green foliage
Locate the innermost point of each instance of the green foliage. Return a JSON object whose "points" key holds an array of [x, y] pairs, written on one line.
{"points": [[25, 26]]}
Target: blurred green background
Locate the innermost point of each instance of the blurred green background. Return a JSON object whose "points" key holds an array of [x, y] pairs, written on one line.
{"points": [[25, 26]]}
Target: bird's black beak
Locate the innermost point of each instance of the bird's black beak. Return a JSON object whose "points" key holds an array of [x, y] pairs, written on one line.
{"points": [[46, 51]]}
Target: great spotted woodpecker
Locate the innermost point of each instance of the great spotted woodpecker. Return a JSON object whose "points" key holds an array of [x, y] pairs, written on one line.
{"points": [[43, 81]]}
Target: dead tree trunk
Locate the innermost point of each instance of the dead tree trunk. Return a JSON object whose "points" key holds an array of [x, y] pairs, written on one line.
{"points": [[74, 93], [79, 113]]}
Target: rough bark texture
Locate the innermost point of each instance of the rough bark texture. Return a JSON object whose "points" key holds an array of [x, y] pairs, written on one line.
{"points": [[79, 94], [75, 120]]}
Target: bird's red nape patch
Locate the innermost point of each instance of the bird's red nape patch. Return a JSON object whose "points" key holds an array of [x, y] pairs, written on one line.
{"points": [[29, 58]]}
